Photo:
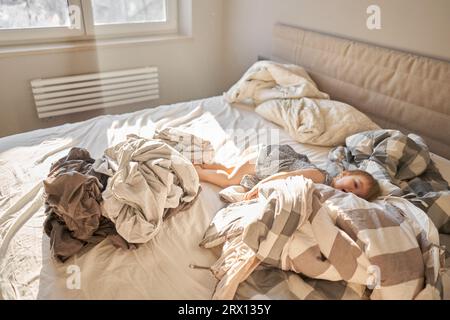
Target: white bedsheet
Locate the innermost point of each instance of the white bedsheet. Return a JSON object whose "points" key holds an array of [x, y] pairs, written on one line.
{"points": [[157, 270]]}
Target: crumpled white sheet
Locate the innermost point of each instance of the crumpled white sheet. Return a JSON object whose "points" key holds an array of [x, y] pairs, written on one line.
{"points": [[149, 177], [267, 80]]}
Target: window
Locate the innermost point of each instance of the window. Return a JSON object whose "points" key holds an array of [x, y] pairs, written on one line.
{"points": [[131, 11], [38, 20], [22, 20], [115, 17], [28, 14]]}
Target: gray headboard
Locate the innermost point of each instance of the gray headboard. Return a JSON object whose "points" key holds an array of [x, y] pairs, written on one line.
{"points": [[397, 90]]}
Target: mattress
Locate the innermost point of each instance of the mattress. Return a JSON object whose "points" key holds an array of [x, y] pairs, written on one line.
{"points": [[159, 269]]}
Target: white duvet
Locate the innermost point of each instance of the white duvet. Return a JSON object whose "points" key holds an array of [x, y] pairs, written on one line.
{"points": [[287, 96]]}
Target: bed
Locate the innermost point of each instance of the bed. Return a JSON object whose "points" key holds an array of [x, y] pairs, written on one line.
{"points": [[160, 269]]}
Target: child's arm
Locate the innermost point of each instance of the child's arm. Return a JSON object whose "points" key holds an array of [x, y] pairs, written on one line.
{"points": [[315, 175], [227, 177]]}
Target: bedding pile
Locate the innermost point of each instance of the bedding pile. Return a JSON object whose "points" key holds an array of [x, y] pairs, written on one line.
{"points": [[152, 271], [125, 195], [307, 241], [149, 180], [330, 244], [287, 96]]}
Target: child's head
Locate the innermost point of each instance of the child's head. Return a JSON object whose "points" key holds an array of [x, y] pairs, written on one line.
{"points": [[358, 182]]}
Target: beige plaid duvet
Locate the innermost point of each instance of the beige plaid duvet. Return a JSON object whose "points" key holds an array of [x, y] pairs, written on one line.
{"points": [[311, 241]]}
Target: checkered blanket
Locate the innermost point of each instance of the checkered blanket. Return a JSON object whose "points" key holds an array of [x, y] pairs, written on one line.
{"points": [[403, 166], [312, 241]]}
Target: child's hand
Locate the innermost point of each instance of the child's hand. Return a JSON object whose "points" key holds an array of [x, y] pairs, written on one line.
{"points": [[252, 194]]}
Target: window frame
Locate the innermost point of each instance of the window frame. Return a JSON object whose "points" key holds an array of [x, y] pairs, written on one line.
{"points": [[12, 36], [89, 31], [132, 28]]}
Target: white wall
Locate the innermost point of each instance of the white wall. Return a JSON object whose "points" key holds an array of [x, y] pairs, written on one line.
{"points": [[228, 35], [419, 26], [188, 70]]}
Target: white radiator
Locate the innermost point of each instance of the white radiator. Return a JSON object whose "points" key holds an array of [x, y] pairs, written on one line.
{"points": [[59, 96]]}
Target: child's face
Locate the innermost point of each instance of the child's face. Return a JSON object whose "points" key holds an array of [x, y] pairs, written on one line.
{"points": [[356, 184]]}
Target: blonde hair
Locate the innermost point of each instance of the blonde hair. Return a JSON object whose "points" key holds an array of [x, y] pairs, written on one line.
{"points": [[374, 187]]}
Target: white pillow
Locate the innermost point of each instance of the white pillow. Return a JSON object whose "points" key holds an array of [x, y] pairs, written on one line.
{"points": [[316, 121]]}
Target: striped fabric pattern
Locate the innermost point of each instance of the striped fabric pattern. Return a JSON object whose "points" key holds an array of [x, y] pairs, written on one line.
{"points": [[313, 241], [403, 160]]}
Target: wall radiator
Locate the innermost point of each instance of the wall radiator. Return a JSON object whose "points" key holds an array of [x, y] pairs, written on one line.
{"points": [[66, 95]]}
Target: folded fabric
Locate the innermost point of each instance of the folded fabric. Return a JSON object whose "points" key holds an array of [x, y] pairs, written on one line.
{"points": [[148, 179], [73, 205]]}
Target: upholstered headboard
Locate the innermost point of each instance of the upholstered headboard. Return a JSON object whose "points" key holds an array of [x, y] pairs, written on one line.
{"points": [[397, 90]]}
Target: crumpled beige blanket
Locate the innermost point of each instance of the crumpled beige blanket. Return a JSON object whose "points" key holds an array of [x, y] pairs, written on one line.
{"points": [[384, 249], [148, 178]]}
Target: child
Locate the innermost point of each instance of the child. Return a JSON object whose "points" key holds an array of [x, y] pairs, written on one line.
{"points": [[279, 162]]}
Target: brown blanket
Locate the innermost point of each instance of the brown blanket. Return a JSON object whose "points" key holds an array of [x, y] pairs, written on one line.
{"points": [[73, 206]]}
